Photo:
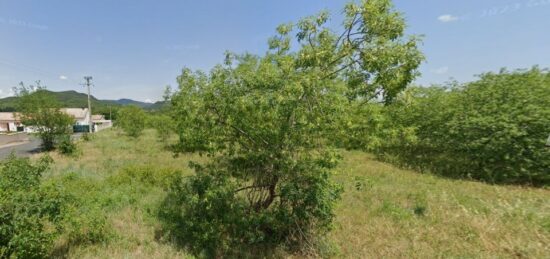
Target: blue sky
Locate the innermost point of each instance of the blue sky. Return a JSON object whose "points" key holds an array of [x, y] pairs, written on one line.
{"points": [[134, 48]]}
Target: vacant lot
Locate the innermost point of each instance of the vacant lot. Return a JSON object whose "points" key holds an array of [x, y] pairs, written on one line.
{"points": [[385, 211]]}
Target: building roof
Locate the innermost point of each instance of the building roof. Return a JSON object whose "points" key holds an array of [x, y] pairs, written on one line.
{"points": [[9, 116], [77, 113], [98, 117]]}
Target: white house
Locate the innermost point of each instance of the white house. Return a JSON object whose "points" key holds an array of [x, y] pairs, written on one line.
{"points": [[100, 123], [11, 121], [81, 115]]}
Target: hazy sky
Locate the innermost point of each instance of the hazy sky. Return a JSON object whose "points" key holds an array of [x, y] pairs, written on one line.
{"points": [[134, 48]]}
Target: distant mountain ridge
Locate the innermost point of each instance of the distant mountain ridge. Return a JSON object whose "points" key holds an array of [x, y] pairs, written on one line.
{"points": [[74, 99], [125, 101]]}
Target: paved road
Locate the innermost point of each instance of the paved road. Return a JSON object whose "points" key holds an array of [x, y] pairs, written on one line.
{"points": [[28, 148], [25, 149]]}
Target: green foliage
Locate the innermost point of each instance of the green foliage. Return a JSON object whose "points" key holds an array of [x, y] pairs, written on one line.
{"points": [[66, 146], [85, 225], [86, 136], [211, 214], [164, 125], [148, 175], [84, 222], [492, 129], [30, 212], [265, 121], [35, 213], [131, 119], [42, 112]]}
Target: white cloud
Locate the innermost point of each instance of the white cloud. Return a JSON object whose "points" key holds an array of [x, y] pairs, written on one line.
{"points": [[148, 101], [447, 18], [62, 77], [441, 70]]}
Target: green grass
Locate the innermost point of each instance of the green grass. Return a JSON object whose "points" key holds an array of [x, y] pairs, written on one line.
{"points": [[400, 213], [384, 212]]}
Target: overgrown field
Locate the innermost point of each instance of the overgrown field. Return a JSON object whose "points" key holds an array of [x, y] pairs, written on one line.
{"points": [[384, 211]]}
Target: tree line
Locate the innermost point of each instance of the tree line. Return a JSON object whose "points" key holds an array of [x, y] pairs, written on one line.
{"points": [[493, 129]]}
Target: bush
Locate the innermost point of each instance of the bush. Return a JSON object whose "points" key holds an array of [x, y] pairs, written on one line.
{"points": [[66, 146], [210, 215], [149, 175], [30, 212], [493, 129], [131, 119], [83, 225], [86, 136], [164, 126], [84, 221]]}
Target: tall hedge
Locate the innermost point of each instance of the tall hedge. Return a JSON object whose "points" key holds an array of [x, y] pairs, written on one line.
{"points": [[493, 129]]}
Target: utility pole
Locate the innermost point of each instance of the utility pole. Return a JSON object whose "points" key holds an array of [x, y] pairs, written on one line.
{"points": [[88, 84]]}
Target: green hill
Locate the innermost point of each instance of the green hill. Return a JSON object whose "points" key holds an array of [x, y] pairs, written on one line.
{"points": [[74, 99]]}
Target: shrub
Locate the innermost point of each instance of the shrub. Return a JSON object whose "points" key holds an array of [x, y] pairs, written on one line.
{"points": [[149, 175], [131, 119], [83, 219], [211, 216], [84, 225], [86, 136], [66, 146], [493, 129], [164, 126], [30, 213]]}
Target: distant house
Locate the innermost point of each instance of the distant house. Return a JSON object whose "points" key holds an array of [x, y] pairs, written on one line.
{"points": [[81, 115], [10, 122], [82, 120], [98, 117], [100, 123]]}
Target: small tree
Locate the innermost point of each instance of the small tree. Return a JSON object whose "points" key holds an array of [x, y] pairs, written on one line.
{"points": [[265, 122], [41, 111], [131, 119], [164, 126]]}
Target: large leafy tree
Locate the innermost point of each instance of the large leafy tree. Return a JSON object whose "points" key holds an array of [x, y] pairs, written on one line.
{"points": [[264, 121], [41, 111]]}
